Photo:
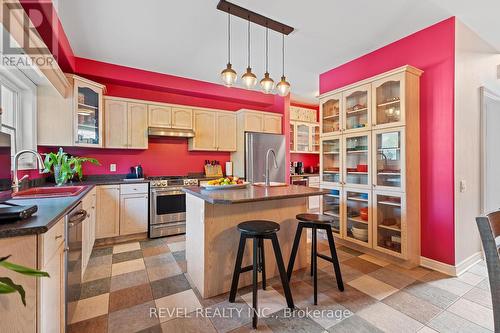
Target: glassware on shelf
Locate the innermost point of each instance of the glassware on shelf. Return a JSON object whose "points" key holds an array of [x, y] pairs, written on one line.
{"points": [[389, 159], [357, 160], [315, 138], [331, 207], [388, 102], [87, 116], [389, 222], [357, 210], [331, 160], [331, 115], [357, 110]]}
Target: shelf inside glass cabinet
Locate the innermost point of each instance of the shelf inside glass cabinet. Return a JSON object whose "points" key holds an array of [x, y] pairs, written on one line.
{"points": [[388, 102]]}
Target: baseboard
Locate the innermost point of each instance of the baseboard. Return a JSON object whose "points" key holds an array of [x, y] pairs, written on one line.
{"points": [[451, 270], [467, 263]]}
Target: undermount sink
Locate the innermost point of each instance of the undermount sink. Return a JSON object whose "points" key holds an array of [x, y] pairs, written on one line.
{"points": [[49, 192], [272, 184]]}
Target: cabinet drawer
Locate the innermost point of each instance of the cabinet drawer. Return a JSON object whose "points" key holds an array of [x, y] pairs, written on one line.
{"points": [[133, 188], [50, 241]]}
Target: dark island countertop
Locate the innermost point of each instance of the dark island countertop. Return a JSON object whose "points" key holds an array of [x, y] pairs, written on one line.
{"points": [[50, 210], [253, 193]]}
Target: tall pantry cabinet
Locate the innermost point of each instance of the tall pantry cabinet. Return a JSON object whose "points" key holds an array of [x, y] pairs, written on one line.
{"points": [[370, 161]]}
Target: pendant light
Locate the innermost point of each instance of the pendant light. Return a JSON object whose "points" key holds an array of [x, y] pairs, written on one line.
{"points": [[249, 79], [283, 86], [228, 75], [267, 83]]}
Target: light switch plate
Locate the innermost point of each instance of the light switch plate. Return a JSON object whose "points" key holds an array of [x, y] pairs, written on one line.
{"points": [[112, 167]]}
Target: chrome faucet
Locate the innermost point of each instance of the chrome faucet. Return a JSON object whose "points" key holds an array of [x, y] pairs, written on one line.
{"points": [[16, 181], [267, 180]]}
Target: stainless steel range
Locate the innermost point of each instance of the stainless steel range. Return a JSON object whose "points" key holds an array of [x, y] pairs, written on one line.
{"points": [[168, 205]]}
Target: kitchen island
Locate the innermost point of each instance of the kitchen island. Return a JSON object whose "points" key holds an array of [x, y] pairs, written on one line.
{"points": [[212, 237]]}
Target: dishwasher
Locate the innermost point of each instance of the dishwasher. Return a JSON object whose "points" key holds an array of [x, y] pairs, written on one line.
{"points": [[73, 258]]}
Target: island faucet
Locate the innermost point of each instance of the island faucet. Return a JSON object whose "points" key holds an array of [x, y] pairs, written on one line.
{"points": [[16, 181], [267, 178]]}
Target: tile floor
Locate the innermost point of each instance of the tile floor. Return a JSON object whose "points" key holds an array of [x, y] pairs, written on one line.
{"points": [[142, 287]]}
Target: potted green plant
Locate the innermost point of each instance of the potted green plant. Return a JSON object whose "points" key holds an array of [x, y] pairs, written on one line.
{"points": [[8, 286], [66, 167]]}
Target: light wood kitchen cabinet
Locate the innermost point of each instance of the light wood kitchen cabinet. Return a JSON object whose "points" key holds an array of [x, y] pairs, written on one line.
{"points": [[160, 116], [373, 164], [205, 129], [78, 117], [116, 120], [133, 213], [137, 126], [253, 122], [88, 112], [88, 227], [108, 211], [182, 118], [52, 295], [226, 131], [214, 131], [126, 124], [272, 124]]}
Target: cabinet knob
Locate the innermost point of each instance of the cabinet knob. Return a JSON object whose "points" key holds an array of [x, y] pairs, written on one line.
{"points": [[58, 236]]}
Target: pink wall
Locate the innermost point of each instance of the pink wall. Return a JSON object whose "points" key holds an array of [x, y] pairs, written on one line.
{"points": [[431, 50], [165, 156]]}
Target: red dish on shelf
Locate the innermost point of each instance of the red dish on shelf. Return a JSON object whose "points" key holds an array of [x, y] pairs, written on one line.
{"points": [[362, 168], [363, 212]]}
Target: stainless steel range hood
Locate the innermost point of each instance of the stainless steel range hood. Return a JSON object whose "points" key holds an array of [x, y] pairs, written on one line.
{"points": [[175, 132]]}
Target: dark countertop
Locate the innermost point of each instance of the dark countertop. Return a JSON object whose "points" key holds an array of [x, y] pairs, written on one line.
{"points": [[50, 210], [253, 193]]}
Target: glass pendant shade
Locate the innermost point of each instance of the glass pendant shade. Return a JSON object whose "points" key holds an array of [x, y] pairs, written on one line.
{"points": [[249, 79], [228, 76], [283, 87], [267, 84]]}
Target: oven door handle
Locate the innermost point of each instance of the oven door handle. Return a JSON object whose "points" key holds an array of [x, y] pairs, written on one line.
{"points": [[167, 192]]}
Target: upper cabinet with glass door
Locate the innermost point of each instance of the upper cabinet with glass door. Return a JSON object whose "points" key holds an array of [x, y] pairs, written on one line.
{"points": [[357, 109], [356, 151], [88, 112], [331, 161], [389, 157], [389, 101], [330, 115]]}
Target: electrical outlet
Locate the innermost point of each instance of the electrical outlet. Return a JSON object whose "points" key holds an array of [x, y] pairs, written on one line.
{"points": [[463, 186], [112, 167]]}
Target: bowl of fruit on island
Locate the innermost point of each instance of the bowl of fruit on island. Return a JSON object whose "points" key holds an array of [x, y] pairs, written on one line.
{"points": [[225, 183]]}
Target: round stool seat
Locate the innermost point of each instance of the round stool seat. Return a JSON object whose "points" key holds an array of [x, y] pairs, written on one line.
{"points": [[258, 227], [314, 218]]}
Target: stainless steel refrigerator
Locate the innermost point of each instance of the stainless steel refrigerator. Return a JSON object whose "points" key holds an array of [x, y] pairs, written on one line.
{"points": [[256, 147]]}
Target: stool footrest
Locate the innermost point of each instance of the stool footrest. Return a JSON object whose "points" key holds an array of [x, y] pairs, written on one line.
{"points": [[246, 269], [322, 256]]}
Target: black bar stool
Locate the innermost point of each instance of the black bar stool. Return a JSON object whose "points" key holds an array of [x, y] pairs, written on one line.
{"points": [[315, 222], [259, 230]]}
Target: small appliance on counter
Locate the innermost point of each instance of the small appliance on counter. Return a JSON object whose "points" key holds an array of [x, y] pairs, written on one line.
{"points": [[136, 172], [299, 168]]}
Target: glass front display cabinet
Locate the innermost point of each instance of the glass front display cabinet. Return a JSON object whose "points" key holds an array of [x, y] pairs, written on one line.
{"points": [[357, 212], [357, 109], [331, 162], [357, 160], [331, 205], [389, 223], [331, 115], [389, 158], [389, 101]]}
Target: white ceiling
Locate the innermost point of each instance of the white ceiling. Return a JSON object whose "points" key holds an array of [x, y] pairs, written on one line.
{"points": [[188, 37]]}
